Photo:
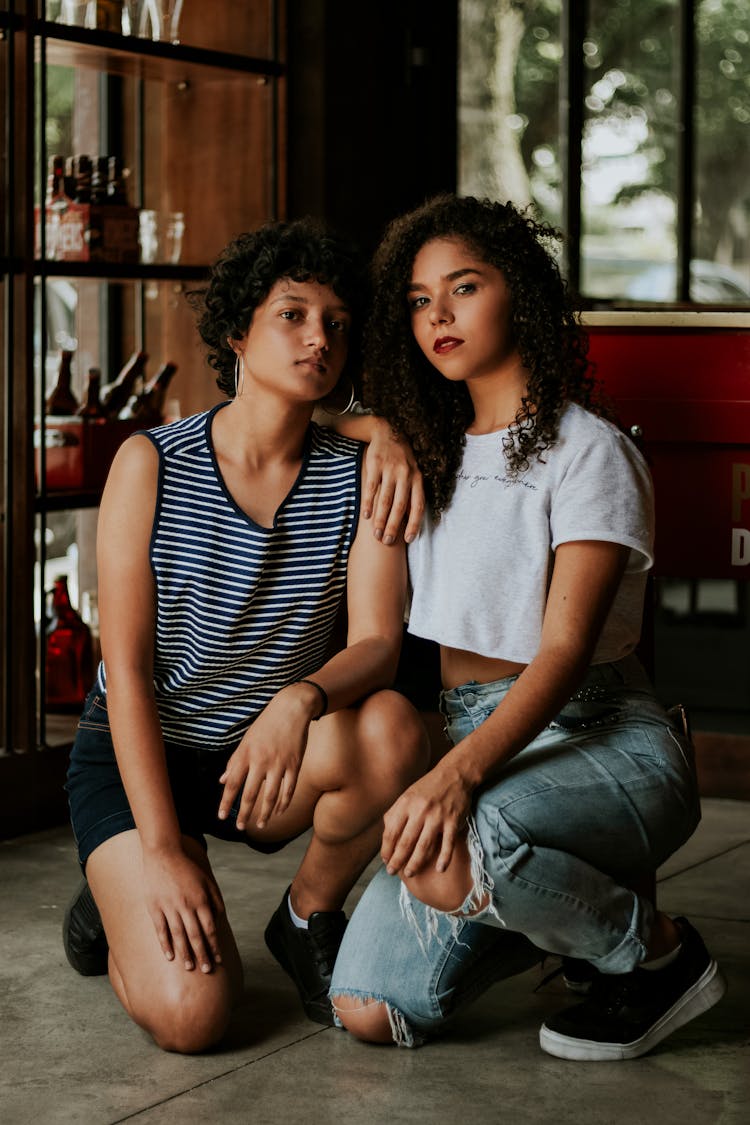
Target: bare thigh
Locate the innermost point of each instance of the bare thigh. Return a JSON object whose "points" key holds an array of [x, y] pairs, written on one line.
{"points": [[182, 1010]]}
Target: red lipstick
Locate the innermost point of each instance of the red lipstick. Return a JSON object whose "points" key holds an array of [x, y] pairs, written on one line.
{"points": [[445, 344]]}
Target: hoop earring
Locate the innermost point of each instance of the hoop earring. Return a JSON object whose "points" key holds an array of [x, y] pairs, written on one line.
{"points": [[347, 408], [239, 376]]}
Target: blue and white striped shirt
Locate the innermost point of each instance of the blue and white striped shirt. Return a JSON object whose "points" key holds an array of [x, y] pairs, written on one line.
{"points": [[243, 610]]}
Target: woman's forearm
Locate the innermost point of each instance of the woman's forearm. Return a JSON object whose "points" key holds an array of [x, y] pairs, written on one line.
{"points": [[538, 694], [359, 427], [139, 749], [357, 671]]}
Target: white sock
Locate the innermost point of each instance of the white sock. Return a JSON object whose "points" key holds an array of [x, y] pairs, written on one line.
{"points": [[300, 923], [661, 962]]}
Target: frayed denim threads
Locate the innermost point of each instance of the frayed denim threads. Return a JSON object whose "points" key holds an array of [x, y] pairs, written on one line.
{"points": [[481, 892]]}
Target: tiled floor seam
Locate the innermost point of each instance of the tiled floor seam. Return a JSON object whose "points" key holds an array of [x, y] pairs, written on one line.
{"points": [[700, 862], [215, 1078]]}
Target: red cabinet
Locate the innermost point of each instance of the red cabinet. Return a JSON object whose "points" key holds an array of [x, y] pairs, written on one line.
{"points": [[686, 390]]}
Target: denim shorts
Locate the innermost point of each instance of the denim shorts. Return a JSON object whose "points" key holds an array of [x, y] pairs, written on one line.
{"points": [[99, 807]]}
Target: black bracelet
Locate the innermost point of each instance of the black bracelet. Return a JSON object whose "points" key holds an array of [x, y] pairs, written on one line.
{"points": [[323, 696]]}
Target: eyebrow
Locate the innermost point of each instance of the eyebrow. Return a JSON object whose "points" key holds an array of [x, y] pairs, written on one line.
{"points": [[284, 298], [448, 277]]}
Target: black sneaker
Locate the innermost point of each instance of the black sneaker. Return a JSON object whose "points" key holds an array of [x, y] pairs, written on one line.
{"points": [[308, 956], [578, 975], [83, 934], [628, 1014]]}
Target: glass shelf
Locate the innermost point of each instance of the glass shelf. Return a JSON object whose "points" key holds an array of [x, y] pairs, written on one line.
{"points": [[119, 271], [144, 58], [67, 501]]}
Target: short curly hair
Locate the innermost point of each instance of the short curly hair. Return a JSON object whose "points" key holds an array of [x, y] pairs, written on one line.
{"points": [[433, 413], [246, 271]]}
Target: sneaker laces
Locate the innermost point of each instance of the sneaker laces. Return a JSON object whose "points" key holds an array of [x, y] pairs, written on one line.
{"points": [[325, 932]]}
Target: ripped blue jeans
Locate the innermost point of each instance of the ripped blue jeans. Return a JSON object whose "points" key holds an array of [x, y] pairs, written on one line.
{"points": [[606, 792]]}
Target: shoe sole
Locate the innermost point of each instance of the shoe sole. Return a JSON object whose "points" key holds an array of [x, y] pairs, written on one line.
{"points": [[706, 992]]}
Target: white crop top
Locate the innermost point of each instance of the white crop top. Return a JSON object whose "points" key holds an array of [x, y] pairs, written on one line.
{"points": [[480, 576]]}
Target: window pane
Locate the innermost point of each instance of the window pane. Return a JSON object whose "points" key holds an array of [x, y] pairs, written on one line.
{"points": [[629, 173], [701, 633], [508, 113], [720, 271]]}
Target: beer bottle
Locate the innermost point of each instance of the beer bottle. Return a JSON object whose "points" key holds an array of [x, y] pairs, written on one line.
{"points": [[62, 400], [82, 173], [99, 172], [92, 407], [148, 407], [55, 179], [116, 394], [116, 193]]}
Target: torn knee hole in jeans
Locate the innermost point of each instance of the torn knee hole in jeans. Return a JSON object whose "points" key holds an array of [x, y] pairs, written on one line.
{"points": [[403, 1035], [477, 905]]}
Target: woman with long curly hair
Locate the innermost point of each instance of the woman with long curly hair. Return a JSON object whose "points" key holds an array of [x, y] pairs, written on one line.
{"points": [[228, 544], [566, 778]]}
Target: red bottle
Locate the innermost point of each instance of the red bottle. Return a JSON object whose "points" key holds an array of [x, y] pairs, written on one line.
{"points": [[69, 663]]}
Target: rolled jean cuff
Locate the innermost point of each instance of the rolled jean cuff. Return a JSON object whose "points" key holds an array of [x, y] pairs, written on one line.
{"points": [[632, 949]]}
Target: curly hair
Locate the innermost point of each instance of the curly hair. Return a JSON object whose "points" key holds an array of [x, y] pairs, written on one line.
{"points": [[433, 413], [246, 271]]}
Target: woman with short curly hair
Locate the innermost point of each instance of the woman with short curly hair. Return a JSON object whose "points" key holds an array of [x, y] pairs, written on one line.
{"points": [[229, 543], [566, 778]]}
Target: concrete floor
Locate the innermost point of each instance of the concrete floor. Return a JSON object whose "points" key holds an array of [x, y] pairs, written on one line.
{"points": [[70, 1054]]}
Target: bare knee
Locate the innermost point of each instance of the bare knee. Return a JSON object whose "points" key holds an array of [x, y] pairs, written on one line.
{"points": [[396, 739], [435, 891], [448, 890], [187, 1020], [367, 1020]]}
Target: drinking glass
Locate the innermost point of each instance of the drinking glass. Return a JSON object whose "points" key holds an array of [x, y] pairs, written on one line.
{"points": [[173, 236], [162, 17], [148, 235], [130, 15]]}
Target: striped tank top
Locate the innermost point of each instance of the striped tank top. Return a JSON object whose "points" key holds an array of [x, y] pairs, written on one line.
{"points": [[243, 610]]}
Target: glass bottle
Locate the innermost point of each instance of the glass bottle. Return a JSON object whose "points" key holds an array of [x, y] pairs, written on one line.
{"points": [[148, 407], [69, 182], [82, 174], [91, 406], [116, 193], [69, 662], [54, 204], [115, 395], [99, 173], [62, 400], [55, 179]]}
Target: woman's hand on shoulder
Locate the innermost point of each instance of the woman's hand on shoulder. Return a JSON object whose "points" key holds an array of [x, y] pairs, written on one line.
{"points": [[392, 487]]}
